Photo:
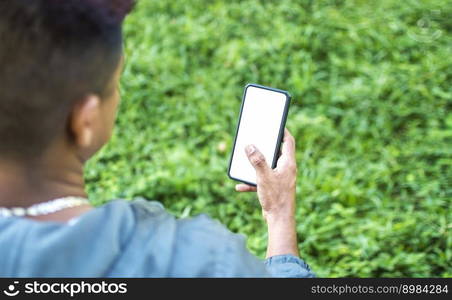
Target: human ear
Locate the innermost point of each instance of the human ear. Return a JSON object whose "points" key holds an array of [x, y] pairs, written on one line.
{"points": [[84, 123]]}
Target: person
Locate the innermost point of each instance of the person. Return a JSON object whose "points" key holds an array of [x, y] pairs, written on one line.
{"points": [[60, 67]]}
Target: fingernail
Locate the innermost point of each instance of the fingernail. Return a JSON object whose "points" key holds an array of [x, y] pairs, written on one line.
{"points": [[250, 149]]}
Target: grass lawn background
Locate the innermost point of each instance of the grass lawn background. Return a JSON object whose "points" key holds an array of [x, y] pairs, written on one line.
{"points": [[371, 114]]}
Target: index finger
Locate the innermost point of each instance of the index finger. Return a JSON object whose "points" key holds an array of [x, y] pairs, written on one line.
{"points": [[245, 188], [288, 147]]}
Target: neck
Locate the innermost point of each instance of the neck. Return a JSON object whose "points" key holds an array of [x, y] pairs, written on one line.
{"points": [[25, 184]]}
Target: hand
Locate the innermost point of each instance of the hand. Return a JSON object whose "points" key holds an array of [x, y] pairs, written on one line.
{"points": [[276, 193], [275, 187]]}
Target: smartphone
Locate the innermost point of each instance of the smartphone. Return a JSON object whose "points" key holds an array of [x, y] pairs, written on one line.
{"points": [[262, 119]]}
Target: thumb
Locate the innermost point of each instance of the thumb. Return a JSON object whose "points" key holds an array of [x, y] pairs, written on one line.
{"points": [[256, 159]]}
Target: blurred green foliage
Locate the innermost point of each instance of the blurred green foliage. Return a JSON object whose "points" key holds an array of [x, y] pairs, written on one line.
{"points": [[371, 83]]}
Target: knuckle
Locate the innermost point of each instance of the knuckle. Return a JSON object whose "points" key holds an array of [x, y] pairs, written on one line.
{"points": [[258, 160], [279, 175], [291, 167]]}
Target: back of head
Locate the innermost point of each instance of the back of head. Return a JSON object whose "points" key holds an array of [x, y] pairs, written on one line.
{"points": [[53, 53]]}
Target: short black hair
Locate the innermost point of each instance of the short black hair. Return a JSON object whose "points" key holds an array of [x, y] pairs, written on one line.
{"points": [[52, 53]]}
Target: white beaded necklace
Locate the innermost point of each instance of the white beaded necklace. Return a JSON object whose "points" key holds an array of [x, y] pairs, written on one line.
{"points": [[43, 208]]}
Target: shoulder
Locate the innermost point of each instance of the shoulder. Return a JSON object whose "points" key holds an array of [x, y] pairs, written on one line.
{"points": [[151, 215], [204, 228], [206, 234], [205, 248], [191, 247]]}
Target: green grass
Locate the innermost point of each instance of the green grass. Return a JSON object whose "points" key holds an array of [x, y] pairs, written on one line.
{"points": [[371, 83]]}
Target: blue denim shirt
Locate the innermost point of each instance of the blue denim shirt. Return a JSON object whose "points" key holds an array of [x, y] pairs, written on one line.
{"points": [[133, 239]]}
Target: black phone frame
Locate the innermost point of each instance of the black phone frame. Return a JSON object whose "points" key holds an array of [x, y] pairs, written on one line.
{"points": [[281, 128]]}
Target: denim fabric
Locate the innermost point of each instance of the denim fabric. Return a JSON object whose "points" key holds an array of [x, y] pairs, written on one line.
{"points": [[133, 239]]}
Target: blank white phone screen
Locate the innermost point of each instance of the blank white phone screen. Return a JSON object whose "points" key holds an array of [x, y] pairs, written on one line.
{"points": [[260, 124]]}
